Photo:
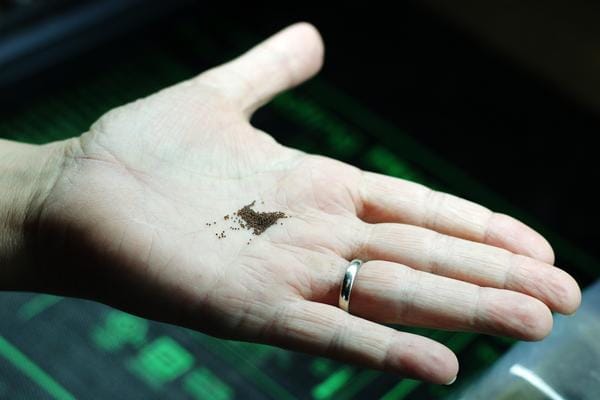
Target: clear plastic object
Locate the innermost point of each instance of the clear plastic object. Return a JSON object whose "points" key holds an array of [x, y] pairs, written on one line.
{"points": [[563, 366]]}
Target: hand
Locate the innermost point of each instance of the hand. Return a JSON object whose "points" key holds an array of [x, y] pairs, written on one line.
{"points": [[125, 222]]}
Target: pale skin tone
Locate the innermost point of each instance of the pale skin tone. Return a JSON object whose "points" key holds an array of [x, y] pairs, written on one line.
{"points": [[119, 215]]}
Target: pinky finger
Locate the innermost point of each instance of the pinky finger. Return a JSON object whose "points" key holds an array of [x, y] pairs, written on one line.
{"points": [[328, 331]]}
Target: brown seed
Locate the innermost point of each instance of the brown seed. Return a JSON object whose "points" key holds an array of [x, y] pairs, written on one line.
{"points": [[258, 222]]}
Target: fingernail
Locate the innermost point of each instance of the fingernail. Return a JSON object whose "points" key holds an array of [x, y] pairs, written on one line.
{"points": [[452, 381]]}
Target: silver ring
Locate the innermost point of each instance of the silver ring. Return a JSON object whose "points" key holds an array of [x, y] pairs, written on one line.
{"points": [[347, 283]]}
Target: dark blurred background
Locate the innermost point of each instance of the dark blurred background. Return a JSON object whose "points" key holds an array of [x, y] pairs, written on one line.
{"points": [[493, 101]]}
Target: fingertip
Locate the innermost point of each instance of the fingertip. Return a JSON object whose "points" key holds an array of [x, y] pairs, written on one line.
{"points": [[310, 31], [313, 44], [509, 233], [568, 294], [514, 314], [429, 361], [550, 284], [446, 364], [536, 320], [576, 300], [451, 381], [451, 370], [543, 251]]}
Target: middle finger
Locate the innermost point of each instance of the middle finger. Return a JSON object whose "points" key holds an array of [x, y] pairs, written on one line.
{"points": [[461, 259]]}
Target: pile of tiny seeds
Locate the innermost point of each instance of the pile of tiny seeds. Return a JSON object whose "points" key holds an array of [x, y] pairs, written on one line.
{"points": [[257, 221], [247, 218]]}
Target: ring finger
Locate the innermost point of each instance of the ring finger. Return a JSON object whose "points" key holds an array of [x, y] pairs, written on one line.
{"points": [[388, 292]]}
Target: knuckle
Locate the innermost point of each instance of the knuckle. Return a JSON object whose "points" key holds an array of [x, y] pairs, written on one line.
{"points": [[365, 240], [433, 202]]}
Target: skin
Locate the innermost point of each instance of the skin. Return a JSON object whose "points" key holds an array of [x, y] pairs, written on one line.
{"points": [[119, 215]]}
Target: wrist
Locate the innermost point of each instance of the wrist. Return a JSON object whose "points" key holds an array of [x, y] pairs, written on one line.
{"points": [[27, 175]]}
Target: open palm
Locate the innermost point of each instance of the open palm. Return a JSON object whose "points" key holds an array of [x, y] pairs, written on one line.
{"points": [[130, 222]]}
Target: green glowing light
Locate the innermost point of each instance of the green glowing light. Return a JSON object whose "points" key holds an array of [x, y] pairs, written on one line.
{"points": [[36, 305], [327, 388], [202, 384], [460, 340], [321, 367], [244, 365], [32, 371], [120, 329], [387, 162], [343, 140], [356, 384], [162, 361], [401, 390], [486, 353]]}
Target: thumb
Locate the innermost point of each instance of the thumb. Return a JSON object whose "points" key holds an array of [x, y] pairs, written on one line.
{"points": [[285, 60]]}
